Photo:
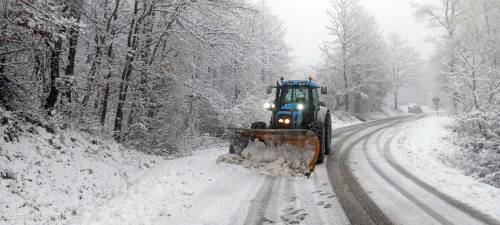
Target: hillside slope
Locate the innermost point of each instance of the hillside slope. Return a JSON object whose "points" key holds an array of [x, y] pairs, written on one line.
{"points": [[49, 175]]}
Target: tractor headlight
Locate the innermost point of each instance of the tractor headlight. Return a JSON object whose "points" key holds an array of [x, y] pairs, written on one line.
{"points": [[269, 105], [287, 121], [300, 106], [281, 121]]}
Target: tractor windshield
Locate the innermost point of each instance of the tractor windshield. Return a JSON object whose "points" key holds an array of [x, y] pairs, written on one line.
{"points": [[295, 95]]}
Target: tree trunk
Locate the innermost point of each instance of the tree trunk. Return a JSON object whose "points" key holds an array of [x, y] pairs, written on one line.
{"points": [[54, 59], [105, 96], [127, 70], [3, 81], [396, 100], [122, 97], [346, 87], [104, 108], [2, 68], [74, 33]]}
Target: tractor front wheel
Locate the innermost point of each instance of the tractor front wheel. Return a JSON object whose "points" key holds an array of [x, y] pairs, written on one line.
{"points": [[258, 125], [237, 144]]}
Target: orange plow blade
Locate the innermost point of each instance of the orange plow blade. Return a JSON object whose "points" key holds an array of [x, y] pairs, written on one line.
{"points": [[302, 139]]}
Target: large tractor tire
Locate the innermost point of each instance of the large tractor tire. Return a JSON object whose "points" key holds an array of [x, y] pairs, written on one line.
{"points": [[258, 125], [238, 144], [328, 134]]}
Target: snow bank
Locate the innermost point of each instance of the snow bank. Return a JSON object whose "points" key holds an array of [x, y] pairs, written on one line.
{"points": [[343, 119], [54, 176], [279, 160], [426, 150]]}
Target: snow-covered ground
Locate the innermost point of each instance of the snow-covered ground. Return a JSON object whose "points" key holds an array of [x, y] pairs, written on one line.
{"points": [[342, 119], [421, 149], [69, 177], [53, 177], [197, 190], [169, 194]]}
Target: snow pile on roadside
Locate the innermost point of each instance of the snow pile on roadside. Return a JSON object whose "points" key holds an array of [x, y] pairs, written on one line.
{"points": [[53, 176], [425, 149], [279, 160], [343, 119]]}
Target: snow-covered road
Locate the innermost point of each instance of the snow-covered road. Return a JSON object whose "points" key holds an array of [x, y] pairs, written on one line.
{"points": [[196, 190], [375, 188], [361, 183]]}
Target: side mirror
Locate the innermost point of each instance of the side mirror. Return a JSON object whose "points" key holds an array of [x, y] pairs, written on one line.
{"points": [[269, 90], [324, 90]]}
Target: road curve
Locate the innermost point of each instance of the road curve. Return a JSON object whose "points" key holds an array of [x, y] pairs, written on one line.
{"points": [[360, 184], [373, 188], [357, 205]]}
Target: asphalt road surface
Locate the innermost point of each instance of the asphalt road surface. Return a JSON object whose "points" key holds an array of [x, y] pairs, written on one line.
{"points": [[369, 187]]}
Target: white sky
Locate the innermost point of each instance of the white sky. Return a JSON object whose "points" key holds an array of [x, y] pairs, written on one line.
{"points": [[306, 21]]}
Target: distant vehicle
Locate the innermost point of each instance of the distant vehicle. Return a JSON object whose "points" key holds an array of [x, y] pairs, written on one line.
{"points": [[415, 109], [298, 118]]}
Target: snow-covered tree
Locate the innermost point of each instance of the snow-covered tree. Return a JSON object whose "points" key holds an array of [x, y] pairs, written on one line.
{"points": [[148, 73], [353, 57], [467, 54], [402, 61]]}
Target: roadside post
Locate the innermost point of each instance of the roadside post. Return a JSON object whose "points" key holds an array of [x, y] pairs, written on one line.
{"points": [[436, 101]]}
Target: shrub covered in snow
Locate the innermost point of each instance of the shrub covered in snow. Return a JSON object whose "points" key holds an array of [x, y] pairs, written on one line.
{"points": [[479, 137]]}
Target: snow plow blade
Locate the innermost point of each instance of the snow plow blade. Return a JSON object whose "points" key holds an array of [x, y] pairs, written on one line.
{"points": [[302, 139]]}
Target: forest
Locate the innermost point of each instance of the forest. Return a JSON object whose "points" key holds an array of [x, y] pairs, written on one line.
{"points": [[164, 75], [150, 73]]}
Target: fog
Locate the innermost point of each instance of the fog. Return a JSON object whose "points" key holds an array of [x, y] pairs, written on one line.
{"points": [[306, 25]]}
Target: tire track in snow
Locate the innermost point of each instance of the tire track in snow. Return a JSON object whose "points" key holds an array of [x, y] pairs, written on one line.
{"points": [[358, 206], [398, 187], [272, 214], [386, 152], [259, 204], [258, 207], [327, 201]]}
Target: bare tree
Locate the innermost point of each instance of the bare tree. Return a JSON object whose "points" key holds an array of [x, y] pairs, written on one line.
{"points": [[402, 62]]}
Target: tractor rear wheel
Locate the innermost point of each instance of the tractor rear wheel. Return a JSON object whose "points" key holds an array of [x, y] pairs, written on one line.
{"points": [[320, 132], [328, 134]]}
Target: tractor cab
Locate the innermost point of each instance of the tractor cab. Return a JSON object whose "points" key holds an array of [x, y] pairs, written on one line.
{"points": [[296, 104]]}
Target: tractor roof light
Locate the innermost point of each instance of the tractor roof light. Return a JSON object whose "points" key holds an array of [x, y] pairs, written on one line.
{"points": [[269, 106]]}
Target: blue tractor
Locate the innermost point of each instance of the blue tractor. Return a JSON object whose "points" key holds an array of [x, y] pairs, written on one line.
{"points": [[298, 118]]}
